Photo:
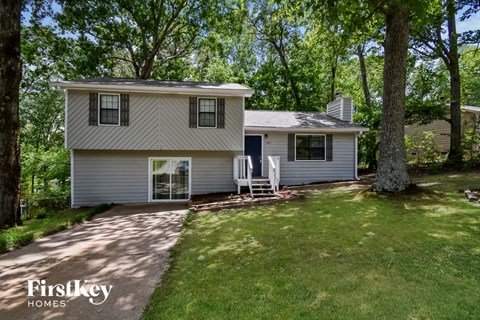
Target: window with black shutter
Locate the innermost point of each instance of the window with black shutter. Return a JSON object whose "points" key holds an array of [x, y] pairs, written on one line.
{"points": [[310, 147], [221, 113], [124, 110], [207, 113], [93, 109], [192, 120], [109, 109]]}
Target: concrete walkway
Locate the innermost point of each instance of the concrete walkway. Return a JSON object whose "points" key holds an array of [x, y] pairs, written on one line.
{"points": [[125, 247]]}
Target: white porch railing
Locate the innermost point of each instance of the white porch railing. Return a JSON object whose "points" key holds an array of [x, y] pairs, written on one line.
{"points": [[274, 172], [243, 172]]}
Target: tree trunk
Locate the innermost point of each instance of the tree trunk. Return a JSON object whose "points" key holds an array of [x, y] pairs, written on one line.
{"points": [[332, 83], [392, 173], [32, 188], [10, 75], [289, 76], [363, 72], [333, 94], [455, 154]]}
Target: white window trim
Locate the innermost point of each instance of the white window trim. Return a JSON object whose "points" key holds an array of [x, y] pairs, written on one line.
{"points": [[263, 137], [150, 182], [99, 109], [198, 112], [325, 152]]}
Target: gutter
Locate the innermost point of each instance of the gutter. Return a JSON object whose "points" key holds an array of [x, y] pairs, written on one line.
{"points": [[155, 89], [293, 129]]}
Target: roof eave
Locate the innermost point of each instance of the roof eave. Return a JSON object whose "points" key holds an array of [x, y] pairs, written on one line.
{"points": [[276, 129], [166, 90]]}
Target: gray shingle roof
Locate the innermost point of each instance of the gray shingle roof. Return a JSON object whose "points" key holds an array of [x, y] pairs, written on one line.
{"points": [[471, 108], [157, 83], [296, 120]]}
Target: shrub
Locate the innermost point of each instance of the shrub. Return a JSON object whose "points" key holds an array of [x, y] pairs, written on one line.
{"points": [[471, 139], [422, 148]]}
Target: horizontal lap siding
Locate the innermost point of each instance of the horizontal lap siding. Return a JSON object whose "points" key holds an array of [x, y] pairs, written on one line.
{"points": [[157, 122], [348, 109], [441, 129], [212, 174], [122, 176], [334, 109], [301, 172]]}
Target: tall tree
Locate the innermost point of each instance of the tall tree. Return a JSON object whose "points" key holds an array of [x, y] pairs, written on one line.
{"points": [[439, 40], [10, 76], [277, 30], [392, 173], [145, 35], [431, 43]]}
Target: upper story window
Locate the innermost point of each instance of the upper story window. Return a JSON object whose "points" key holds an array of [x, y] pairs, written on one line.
{"points": [[109, 109], [207, 113], [310, 147]]}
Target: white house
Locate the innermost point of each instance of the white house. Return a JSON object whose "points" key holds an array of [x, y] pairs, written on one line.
{"points": [[148, 140]]}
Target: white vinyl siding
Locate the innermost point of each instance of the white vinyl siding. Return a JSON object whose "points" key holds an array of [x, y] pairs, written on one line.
{"points": [[334, 109], [157, 122], [122, 176], [342, 167], [348, 109]]}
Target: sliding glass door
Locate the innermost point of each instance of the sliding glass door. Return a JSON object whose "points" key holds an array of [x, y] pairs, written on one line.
{"points": [[170, 179]]}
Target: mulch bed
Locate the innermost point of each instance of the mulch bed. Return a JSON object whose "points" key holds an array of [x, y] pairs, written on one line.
{"points": [[243, 200]]}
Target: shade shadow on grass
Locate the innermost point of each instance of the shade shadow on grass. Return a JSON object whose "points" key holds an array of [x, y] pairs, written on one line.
{"points": [[47, 225], [340, 254]]}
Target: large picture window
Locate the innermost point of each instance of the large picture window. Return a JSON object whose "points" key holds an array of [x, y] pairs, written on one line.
{"points": [[169, 179], [207, 113], [310, 147], [109, 109]]}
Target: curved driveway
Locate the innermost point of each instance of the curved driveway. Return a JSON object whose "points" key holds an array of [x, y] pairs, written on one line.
{"points": [[126, 247]]}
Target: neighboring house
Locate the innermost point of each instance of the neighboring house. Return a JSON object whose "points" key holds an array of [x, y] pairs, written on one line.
{"points": [[441, 128], [147, 140]]}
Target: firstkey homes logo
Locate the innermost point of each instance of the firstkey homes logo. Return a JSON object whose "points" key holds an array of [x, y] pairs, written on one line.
{"points": [[96, 294]]}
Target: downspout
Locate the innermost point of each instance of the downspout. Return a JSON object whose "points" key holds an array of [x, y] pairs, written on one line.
{"points": [[357, 134]]}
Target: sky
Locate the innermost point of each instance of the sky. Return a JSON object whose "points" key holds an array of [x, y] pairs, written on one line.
{"points": [[473, 23]]}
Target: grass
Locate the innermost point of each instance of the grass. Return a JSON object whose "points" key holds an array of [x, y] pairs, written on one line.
{"points": [[339, 254], [45, 225]]}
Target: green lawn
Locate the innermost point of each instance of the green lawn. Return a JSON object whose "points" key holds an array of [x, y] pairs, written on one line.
{"points": [[339, 254], [51, 223]]}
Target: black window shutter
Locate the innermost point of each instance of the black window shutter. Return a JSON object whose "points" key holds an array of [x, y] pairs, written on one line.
{"points": [[93, 109], [329, 147], [193, 112], [124, 110], [221, 113], [291, 147]]}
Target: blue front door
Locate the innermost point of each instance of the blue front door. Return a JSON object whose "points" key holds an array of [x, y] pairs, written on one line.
{"points": [[253, 148]]}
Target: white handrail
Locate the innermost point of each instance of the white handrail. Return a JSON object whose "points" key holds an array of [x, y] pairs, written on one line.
{"points": [[274, 172], [250, 174], [243, 171]]}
